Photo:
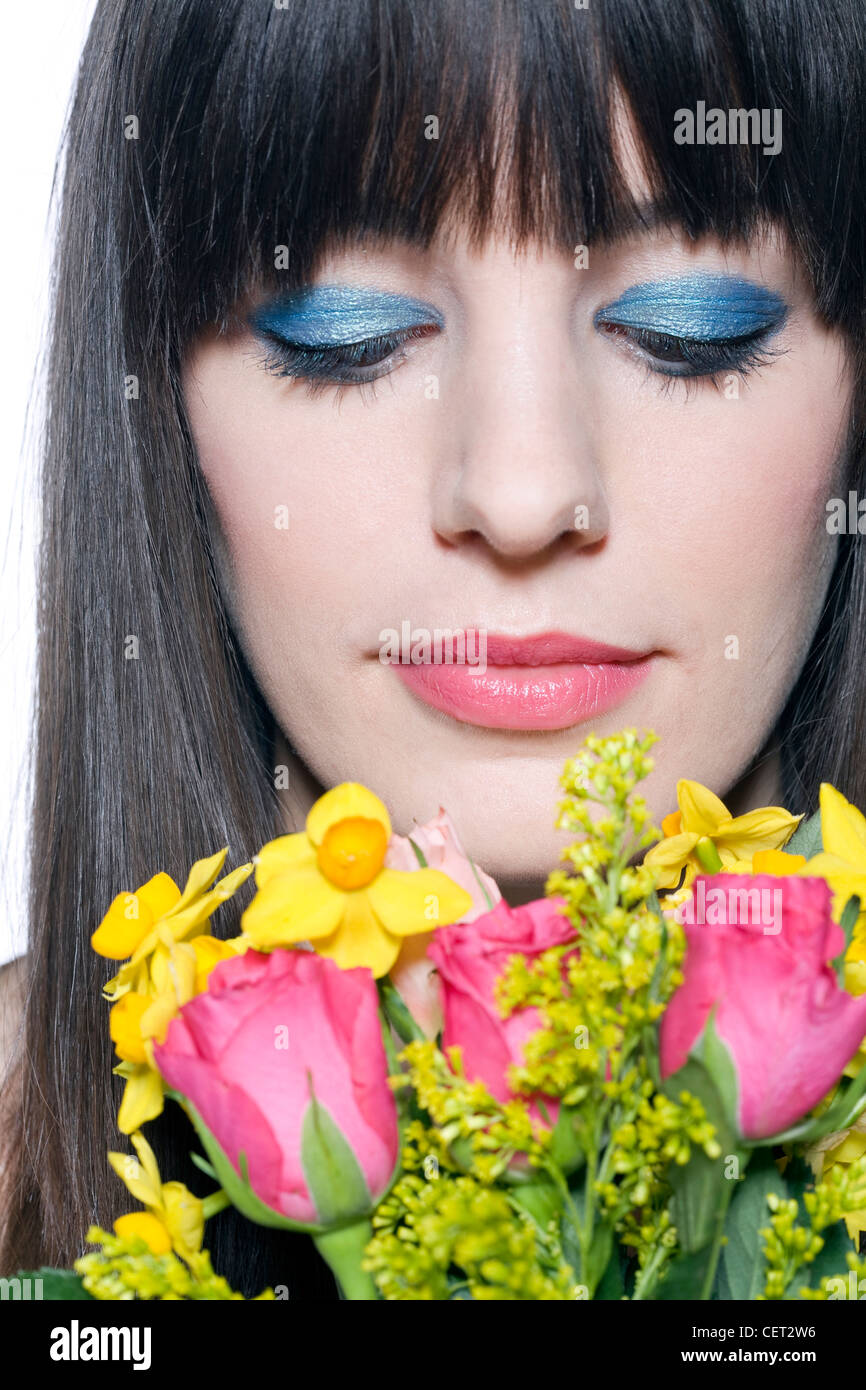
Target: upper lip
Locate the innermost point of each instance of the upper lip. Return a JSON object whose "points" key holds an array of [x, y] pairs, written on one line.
{"points": [[548, 648], [554, 648]]}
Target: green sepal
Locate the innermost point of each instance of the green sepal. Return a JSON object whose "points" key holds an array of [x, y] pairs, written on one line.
{"points": [[806, 839], [332, 1171], [419, 854], [398, 1014], [236, 1185], [714, 1055], [203, 1165], [58, 1285]]}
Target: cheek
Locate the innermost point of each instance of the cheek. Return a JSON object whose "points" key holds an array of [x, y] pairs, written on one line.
{"points": [[730, 521], [315, 496]]}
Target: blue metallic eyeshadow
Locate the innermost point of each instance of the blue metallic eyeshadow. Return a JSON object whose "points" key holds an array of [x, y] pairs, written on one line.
{"points": [[699, 306], [325, 316]]}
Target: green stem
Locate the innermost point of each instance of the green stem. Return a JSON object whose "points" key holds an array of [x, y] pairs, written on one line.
{"points": [[343, 1249], [709, 1277], [648, 1276], [216, 1201]]}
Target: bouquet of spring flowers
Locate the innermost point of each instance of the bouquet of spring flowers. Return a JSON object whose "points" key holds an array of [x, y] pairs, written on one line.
{"points": [[647, 1085]]}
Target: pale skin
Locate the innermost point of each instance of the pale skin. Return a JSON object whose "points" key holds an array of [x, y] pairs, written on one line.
{"points": [[706, 523]]}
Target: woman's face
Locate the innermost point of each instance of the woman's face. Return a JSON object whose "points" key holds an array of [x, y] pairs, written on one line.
{"points": [[520, 451]]}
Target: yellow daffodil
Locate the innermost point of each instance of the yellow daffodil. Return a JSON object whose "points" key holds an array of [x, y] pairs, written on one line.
{"points": [[154, 926], [174, 974], [703, 837], [136, 924], [173, 1218], [842, 861], [329, 886]]}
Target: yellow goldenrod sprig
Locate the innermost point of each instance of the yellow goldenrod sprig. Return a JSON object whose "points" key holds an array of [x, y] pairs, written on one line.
{"points": [[789, 1245], [125, 1268]]}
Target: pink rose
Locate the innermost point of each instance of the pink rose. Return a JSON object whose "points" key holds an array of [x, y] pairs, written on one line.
{"points": [[247, 1053], [414, 973], [470, 959], [789, 1028]]}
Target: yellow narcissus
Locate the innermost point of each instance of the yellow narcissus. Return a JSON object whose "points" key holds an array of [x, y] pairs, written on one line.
{"points": [[158, 913], [703, 837], [329, 886], [842, 861], [173, 1218], [165, 932], [175, 973]]}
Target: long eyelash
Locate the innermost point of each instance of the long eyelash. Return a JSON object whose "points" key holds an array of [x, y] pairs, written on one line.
{"points": [[707, 360], [337, 368]]}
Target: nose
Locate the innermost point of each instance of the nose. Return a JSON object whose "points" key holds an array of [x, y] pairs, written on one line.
{"points": [[519, 467]]}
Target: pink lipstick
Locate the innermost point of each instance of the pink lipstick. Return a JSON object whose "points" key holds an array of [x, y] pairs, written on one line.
{"points": [[548, 680]]}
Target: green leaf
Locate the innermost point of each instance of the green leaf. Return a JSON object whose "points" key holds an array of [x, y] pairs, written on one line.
{"points": [[806, 839], [331, 1169], [55, 1285], [742, 1270], [611, 1286], [685, 1277], [566, 1146], [701, 1189], [601, 1253], [847, 922], [539, 1198]]}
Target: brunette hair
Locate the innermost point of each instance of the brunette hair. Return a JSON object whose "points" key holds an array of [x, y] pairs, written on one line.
{"points": [[259, 126]]}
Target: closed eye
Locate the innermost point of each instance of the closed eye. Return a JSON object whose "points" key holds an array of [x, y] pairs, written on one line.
{"points": [[673, 356], [342, 364]]}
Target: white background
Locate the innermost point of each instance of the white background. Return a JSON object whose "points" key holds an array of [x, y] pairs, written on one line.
{"points": [[39, 55]]}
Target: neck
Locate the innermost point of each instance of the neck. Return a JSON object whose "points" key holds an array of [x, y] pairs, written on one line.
{"points": [[302, 790]]}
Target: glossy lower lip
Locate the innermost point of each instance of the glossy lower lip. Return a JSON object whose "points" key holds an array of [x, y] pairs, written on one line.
{"points": [[550, 681]]}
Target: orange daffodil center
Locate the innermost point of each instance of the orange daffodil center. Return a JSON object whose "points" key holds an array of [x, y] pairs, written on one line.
{"points": [[353, 851], [329, 886]]}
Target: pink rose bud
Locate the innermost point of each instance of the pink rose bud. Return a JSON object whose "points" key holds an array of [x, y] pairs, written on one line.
{"points": [[282, 1067], [470, 959], [415, 974], [758, 948]]}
